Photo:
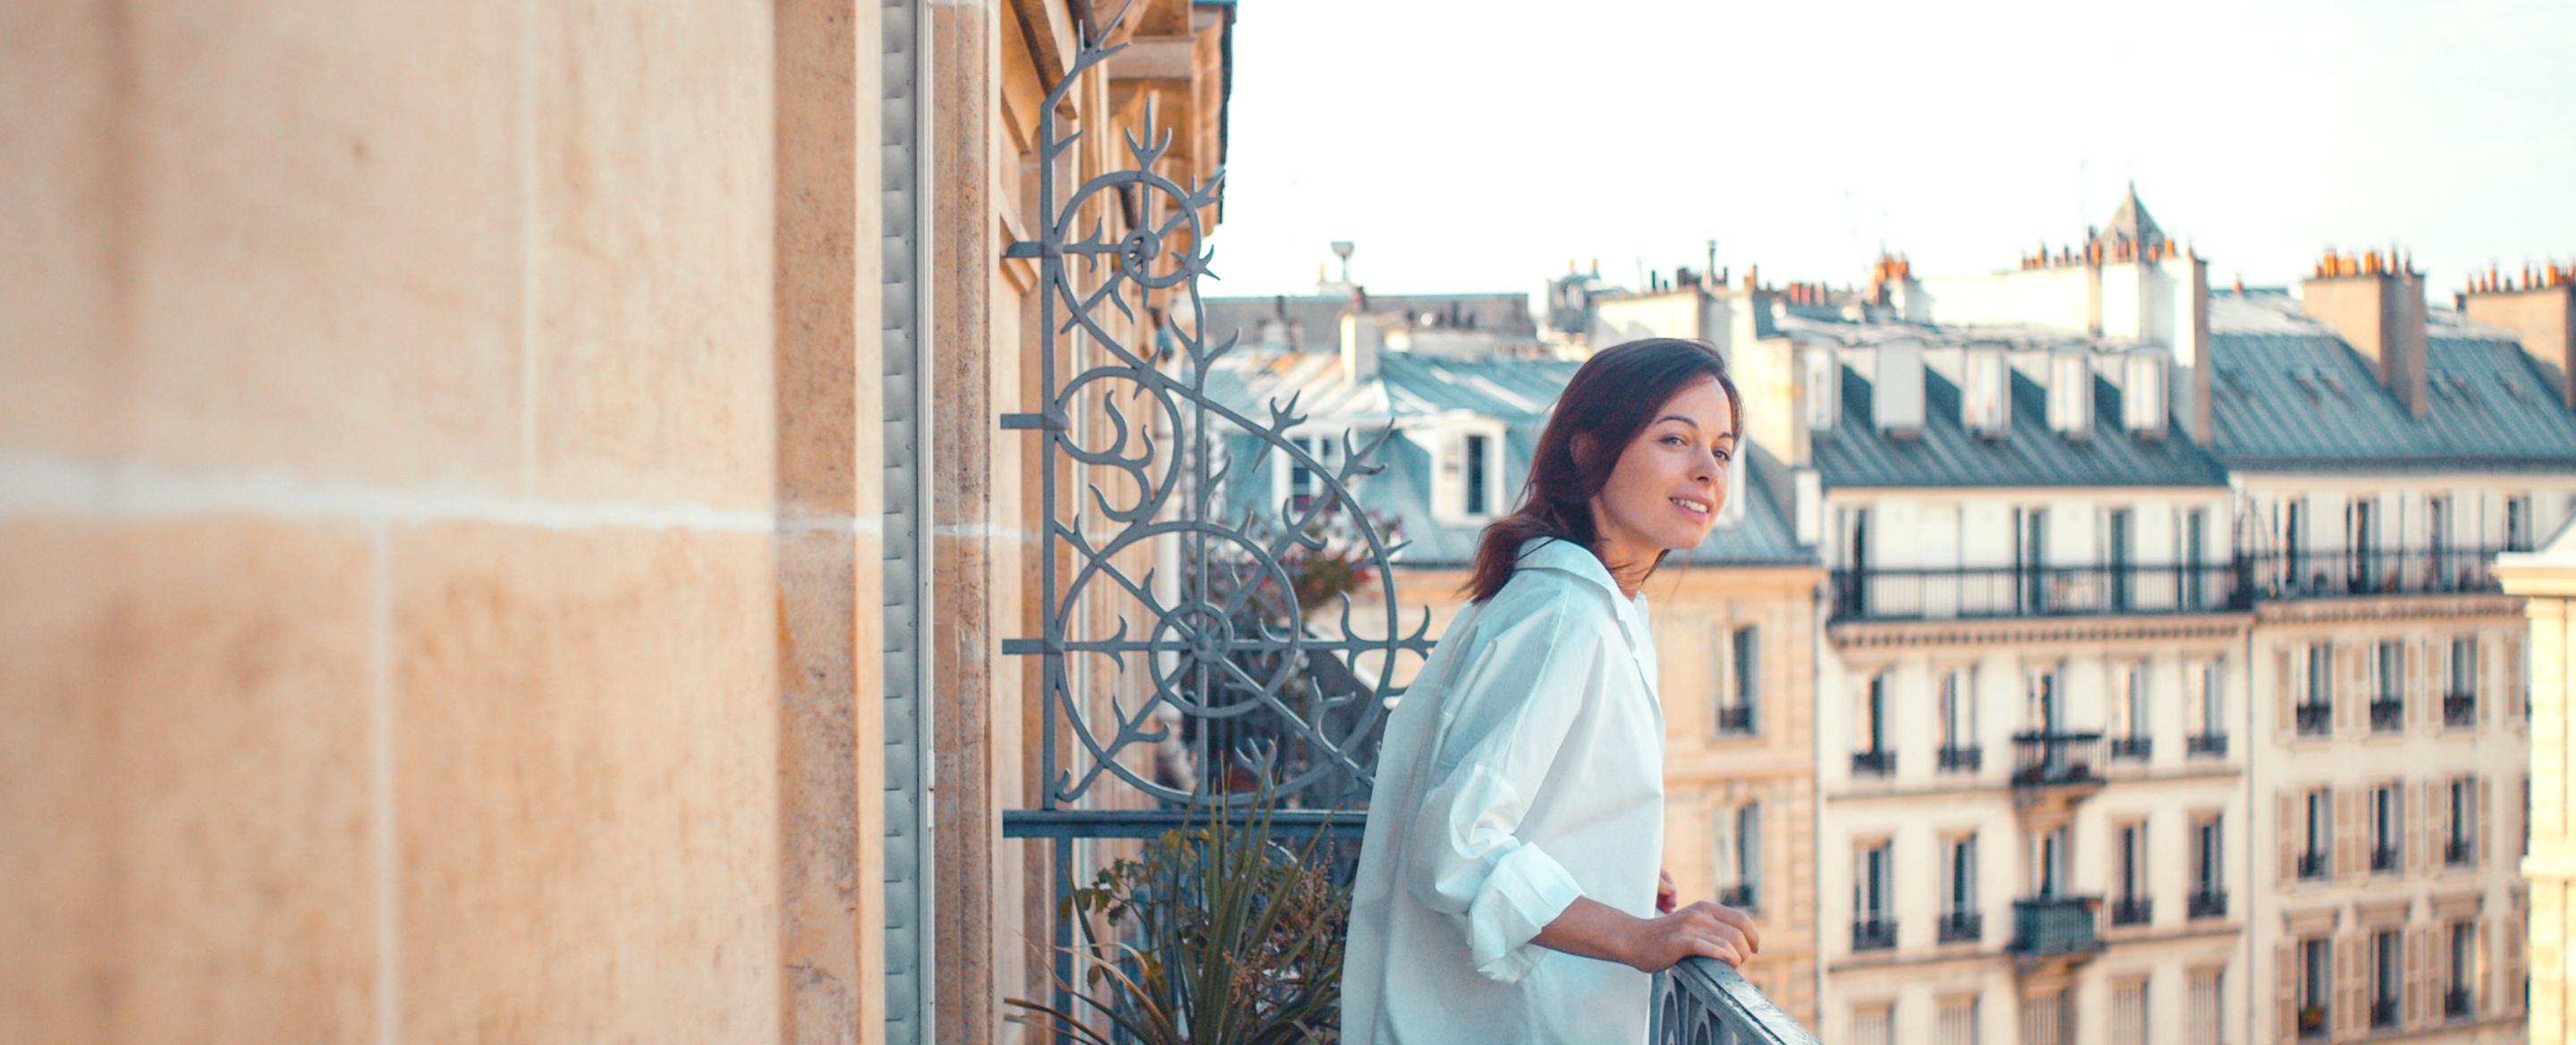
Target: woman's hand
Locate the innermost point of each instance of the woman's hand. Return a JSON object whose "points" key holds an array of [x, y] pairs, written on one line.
{"points": [[1701, 930], [1667, 896]]}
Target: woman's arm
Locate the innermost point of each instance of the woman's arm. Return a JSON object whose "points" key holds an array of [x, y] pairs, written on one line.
{"points": [[1702, 930]]}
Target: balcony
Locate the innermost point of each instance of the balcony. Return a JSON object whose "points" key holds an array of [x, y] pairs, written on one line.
{"points": [[2459, 710], [2047, 926], [2387, 714], [2316, 719], [2312, 866], [2455, 1003], [1880, 763], [2312, 1022], [2045, 759], [1967, 759], [2383, 859], [1740, 897], [1738, 719], [1958, 926], [2206, 903], [2459, 852], [2132, 910], [2383, 1012], [1705, 1000], [2205, 745], [1872, 594], [2405, 571], [1873, 934], [2133, 749]]}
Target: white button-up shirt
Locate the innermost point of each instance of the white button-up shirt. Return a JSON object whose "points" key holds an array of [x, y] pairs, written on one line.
{"points": [[1523, 768]]}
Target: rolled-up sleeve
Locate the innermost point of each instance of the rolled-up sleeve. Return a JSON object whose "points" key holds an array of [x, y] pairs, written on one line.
{"points": [[1513, 709]]}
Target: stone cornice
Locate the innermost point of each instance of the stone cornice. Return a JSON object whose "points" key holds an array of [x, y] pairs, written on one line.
{"points": [[2028, 630], [2386, 608]]}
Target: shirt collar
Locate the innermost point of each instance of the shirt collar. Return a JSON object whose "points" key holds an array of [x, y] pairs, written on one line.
{"points": [[1556, 553]]}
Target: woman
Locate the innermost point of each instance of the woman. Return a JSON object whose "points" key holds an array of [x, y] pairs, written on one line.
{"points": [[1508, 888]]}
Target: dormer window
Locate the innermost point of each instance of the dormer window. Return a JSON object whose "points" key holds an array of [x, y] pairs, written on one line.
{"points": [[1299, 484], [1986, 403], [2070, 395], [2142, 402], [1469, 485], [1824, 386]]}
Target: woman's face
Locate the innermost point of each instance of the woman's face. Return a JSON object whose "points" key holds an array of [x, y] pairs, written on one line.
{"points": [[1670, 482]]}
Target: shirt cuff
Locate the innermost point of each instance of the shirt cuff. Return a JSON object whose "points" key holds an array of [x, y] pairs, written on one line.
{"points": [[1527, 890]]}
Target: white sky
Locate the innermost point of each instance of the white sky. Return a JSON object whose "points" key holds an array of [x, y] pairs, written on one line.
{"points": [[1474, 145]]}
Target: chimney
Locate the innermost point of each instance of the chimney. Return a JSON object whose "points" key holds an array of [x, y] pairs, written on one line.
{"points": [[1896, 393], [2542, 317], [2378, 307], [1363, 336]]}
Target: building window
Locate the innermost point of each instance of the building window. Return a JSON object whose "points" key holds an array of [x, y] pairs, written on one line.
{"points": [[2316, 692], [1305, 483], [2143, 401], [1988, 397], [2205, 709], [2387, 826], [2318, 835], [2361, 545], [1824, 389], [2070, 394], [1479, 479], [2043, 712], [2459, 844], [2460, 997], [2131, 734], [2117, 526], [2316, 986], [2437, 543], [1871, 928], [2208, 872], [2131, 906], [2517, 523], [1874, 1024], [2294, 543], [2460, 683], [1960, 752], [1739, 856], [1959, 1021], [1961, 918], [2208, 1001], [2048, 855], [2049, 1019], [1740, 714], [2387, 976], [2129, 1011], [2192, 534], [1871, 756], [2387, 686]]}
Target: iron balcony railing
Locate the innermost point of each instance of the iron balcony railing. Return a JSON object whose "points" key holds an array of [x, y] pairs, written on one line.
{"points": [[1895, 594], [2132, 748], [2400, 571], [2312, 865], [2205, 745], [1873, 934], [1967, 759], [2132, 910], [1703, 1001], [2046, 759], [2052, 925], [2458, 852], [1741, 896], [2459, 709], [2312, 1021], [2455, 1002], [2316, 719], [2383, 1012], [2387, 714], [1874, 762], [2383, 858], [1736, 719], [2208, 903], [1962, 925]]}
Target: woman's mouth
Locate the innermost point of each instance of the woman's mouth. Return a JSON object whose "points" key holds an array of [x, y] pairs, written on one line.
{"points": [[1697, 508]]}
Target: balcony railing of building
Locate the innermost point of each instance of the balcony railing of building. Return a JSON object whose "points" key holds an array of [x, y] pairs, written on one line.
{"points": [[1962, 759], [1874, 762], [2383, 1012], [1703, 1001], [2383, 858], [1957, 926], [2053, 925], [2132, 910], [2458, 852], [2132, 748], [1735, 719], [2316, 718], [2459, 710], [2312, 865], [2455, 1002], [2205, 745], [2312, 1021], [2387, 714], [2047, 759], [1873, 934], [2400, 571], [1897, 594], [1740, 896], [2208, 903]]}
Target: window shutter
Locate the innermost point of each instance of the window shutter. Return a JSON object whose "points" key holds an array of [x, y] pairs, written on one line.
{"points": [[2419, 979], [2352, 999], [2512, 673], [2419, 854], [2287, 720], [2423, 706], [2481, 823], [2437, 823], [2506, 988], [2352, 691], [1449, 475], [2351, 831], [2289, 830], [2285, 976]]}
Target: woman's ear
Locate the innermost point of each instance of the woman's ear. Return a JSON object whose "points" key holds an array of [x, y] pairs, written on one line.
{"points": [[1582, 447]]}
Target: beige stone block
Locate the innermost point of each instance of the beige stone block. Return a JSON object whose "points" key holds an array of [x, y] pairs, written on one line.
{"points": [[186, 834], [287, 234], [587, 757], [654, 252]]}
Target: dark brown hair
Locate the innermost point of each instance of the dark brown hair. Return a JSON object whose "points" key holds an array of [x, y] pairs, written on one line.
{"points": [[1612, 397]]}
